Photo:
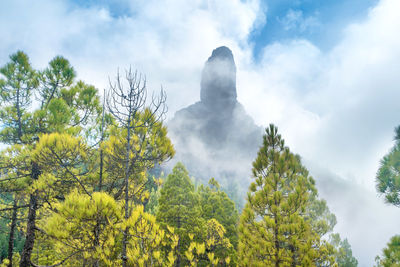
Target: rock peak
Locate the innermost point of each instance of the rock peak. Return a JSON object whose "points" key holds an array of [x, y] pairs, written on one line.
{"points": [[218, 81], [215, 137], [222, 52]]}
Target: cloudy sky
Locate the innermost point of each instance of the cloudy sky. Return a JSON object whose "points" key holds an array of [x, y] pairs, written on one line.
{"points": [[327, 73]]}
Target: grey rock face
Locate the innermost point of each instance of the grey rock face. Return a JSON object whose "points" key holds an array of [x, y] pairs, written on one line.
{"points": [[218, 80], [215, 137]]}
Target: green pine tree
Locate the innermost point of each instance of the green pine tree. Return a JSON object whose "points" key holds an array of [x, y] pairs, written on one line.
{"points": [[179, 208], [343, 255], [215, 204], [66, 106], [388, 178], [274, 229], [391, 254]]}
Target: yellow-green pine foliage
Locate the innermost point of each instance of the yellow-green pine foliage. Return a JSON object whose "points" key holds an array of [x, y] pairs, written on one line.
{"points": [[16, 259], [214, 250], [44, 252], [15, 168], [14, 180], [391, 254], [63, 105], [179, 208], [149, 244], [88, 230], [85, 229], [219, 249], [215, 204], [65, 163], [149, 145], [66, 106], [273, 229]]}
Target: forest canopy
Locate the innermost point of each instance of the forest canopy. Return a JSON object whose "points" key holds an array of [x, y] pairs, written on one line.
{"points": [[79, 185]]}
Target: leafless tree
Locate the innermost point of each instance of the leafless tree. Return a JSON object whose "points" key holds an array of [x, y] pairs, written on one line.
{"points": [[127, 98]]}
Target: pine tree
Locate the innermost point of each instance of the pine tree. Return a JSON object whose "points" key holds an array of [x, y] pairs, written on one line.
{"points": [[139, 140], [343, 255], [388, 178], [273, 228], [179, 208], [87, 230], [66, 106], [83, 229], [215, 204], [16, 90], [213, 250], [391, 254]]}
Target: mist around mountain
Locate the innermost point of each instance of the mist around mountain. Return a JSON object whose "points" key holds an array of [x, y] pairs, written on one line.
{"points": [[215, 137]]}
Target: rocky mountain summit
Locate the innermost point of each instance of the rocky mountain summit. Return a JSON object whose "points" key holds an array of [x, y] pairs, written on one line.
{"points": [[215, 137]]}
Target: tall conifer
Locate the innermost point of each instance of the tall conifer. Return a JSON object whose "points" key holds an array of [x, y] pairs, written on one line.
{"points": [[274, 229], [178, 208]]}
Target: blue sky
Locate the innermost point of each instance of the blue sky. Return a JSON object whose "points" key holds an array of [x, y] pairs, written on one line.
{"points": [[117, 8], [320, 21], [325, 72]]}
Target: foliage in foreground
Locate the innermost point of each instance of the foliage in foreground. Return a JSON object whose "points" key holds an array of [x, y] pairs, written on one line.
{"points": [[391, 254], [388, 176], [388, 185], [74, 180], [198, 223], [275, 227]]}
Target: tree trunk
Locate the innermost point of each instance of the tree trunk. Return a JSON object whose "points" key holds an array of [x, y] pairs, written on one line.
{"points": [[101, 170], [96, 240], [30, 232], [19, 116], [31, 224], [178, 257], [178, 247], [125, 239], [101, 149], [277, 258], [12, 232]]}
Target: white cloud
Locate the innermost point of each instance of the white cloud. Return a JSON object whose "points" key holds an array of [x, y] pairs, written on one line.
{"points": [[168, 41], [295, 20], [337, 109]]}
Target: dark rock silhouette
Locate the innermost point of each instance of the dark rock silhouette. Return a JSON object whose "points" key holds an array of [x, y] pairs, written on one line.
{"points": [[215, 137], [218, 80]]}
